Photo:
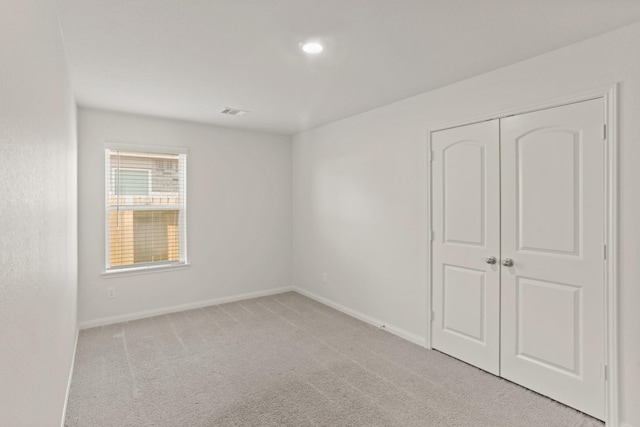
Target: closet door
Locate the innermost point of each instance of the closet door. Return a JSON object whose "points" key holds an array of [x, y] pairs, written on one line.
{"points": [[466, 223], [553, 231]]}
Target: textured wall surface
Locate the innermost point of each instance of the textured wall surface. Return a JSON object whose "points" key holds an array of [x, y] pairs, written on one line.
{"points": [[38, 228], [359, 197], [238, 214]]}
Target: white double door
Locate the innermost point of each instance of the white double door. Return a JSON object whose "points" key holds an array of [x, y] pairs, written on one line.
{"points": [[528, 192]]}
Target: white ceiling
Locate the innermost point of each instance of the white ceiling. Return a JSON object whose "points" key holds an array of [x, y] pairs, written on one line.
{"points": [[188, 59]]}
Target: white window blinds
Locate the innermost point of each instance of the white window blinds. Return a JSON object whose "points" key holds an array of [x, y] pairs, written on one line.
{"points": [[145, 208]]}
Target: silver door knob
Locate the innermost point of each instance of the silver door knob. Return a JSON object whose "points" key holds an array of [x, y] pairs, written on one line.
{"points": [[490, 260], [507, 262]]}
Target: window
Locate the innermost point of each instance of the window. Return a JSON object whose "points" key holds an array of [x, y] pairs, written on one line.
{"points": [[145, 207]]}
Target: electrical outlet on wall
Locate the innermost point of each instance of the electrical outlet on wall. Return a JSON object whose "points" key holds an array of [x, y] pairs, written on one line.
{"points": [[111, 292]]}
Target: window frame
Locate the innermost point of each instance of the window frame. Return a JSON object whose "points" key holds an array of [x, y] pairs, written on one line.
{"points": [[181, 207]]}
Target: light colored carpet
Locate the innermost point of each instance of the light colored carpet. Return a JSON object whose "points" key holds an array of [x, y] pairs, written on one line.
{"points": [[285, 360]]}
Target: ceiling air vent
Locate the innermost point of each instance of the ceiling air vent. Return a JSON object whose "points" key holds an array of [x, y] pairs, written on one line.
{"points": [[233, 112]]}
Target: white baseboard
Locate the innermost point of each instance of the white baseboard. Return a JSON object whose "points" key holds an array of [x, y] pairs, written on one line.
{"points": [[409, 336], [73, 364], [182, 307]]}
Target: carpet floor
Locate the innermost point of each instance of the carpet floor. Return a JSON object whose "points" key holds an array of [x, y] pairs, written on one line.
{"points": [[285, 360]]}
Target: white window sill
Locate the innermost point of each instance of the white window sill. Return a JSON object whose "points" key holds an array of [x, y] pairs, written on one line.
{"points": [[134, 271]]}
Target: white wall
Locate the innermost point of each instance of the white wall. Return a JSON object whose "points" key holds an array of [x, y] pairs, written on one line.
{"points": [[238, 213], [38, 249], [359, 189]]}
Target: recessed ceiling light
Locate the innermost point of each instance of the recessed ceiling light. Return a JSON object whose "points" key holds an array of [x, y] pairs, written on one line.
{"points": [[312, 47]]}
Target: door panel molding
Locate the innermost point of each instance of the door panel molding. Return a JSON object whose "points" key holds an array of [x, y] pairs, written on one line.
{"points": [[609, 96], [463, 204], [572, 318], [531, 239], [451, 323]]}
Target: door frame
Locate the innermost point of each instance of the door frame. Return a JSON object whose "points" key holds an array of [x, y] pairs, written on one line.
{"points": [[610, 298]]}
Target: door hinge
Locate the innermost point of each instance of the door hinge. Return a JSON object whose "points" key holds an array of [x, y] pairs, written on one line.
{"points": [[604, 252], [604, 134], [606, 372], [433, 315], [432, 235], [431, 156]]}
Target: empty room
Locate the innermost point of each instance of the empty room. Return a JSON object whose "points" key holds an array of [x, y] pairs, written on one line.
{"points": [[319, 213]]}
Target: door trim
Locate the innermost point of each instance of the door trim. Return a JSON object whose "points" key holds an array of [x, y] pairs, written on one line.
{"points": [[608, 94]]}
